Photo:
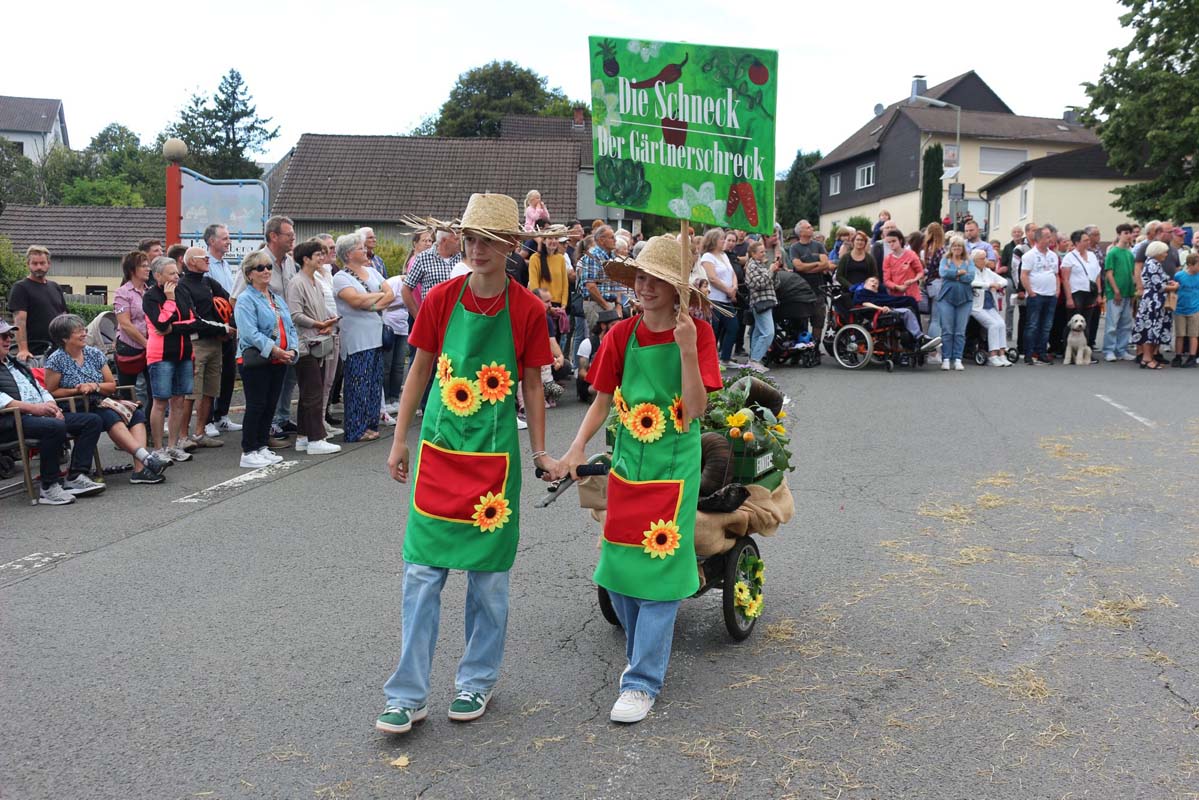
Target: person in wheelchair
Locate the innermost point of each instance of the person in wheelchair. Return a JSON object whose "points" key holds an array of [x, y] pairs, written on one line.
{"points": [[867, 295]]}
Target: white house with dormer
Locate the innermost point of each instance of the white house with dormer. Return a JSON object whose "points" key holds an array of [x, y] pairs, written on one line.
{"points": [[33, 124]]}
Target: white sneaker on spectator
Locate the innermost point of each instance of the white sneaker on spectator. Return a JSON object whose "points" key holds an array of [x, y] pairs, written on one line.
{"points": [[933, 358], [946, 365], [332, 431], [323, 448], [301, 443], [957, 365], [226, 424], [631, 707], [212, 430], [757, 366], [391, 408], [1128, 357], [82, 486], [176, 454], [1109, 356], [521, 423], [996, 361], [270, 455], [254, 460], [54, 495], [387, 419]]}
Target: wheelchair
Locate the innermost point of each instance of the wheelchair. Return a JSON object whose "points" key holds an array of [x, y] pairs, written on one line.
{"points": [[856, 336]]}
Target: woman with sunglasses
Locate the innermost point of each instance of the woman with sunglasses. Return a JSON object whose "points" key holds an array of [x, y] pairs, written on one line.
{"points": [[266, 343]]}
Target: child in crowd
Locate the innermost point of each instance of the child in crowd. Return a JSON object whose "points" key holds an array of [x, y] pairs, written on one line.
{"points": [[485, 332], [658, 368], [866, 294], [587, 350], [1186, 315], [535, 211]]}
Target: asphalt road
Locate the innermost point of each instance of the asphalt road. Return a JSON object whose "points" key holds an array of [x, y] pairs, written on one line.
{"points": [[989, 591]]}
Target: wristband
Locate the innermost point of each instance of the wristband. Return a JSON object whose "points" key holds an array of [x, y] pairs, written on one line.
{"points": [[537, 453]]}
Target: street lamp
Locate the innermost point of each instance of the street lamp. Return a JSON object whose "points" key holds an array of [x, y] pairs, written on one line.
{"points": [[957, 139]]}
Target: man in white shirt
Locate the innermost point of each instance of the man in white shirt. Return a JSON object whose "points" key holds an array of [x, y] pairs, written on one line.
{"points": [[1038, 275]]}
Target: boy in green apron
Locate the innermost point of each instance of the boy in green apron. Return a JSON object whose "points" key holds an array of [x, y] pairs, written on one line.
{"points": [[658, 368], [483, 333]]}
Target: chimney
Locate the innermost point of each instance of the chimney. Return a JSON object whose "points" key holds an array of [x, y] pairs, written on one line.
{"points": [[919, 85], [1070, 116], [578, 121]]}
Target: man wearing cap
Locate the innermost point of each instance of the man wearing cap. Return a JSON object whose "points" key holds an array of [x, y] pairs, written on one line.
{"points": [[35, 301], [480, 334], [43, 420]]}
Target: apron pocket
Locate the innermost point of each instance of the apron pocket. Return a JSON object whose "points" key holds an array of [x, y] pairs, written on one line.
{"points": [[459, 486], [644, 514]]}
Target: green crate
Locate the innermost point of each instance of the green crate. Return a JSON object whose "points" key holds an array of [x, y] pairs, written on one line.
{"points": [[750, 463]]}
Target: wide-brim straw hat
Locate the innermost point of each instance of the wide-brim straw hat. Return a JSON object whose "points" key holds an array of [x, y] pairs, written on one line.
{"points": [[662, 257], [492, 215]]}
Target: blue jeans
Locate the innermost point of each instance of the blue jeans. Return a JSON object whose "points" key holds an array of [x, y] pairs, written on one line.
{"points": [[762, 334], [577, 337], [486, 630], [394, 361], [170, 379], [953, 329], [283, 408], [1117, 331], [52, 432], [725, 328], [1040, 310], [649, 629]]}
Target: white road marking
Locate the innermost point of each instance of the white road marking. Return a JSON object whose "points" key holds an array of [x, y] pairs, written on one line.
{"points": [[1148, 423], [214, 492], [31, 562]]}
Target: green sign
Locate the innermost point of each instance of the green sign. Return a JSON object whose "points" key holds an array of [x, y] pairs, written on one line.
{"points": [[685, 130]]}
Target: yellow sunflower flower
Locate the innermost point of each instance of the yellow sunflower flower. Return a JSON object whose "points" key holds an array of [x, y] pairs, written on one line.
{"points": [[738, 420], [622, 406], [779, 429], [782, 414], [753, 608], [444, 369], [646, 422], [741, 596], [662, 539], [495, 382], [491, 512], [676, 413], [461, 396]]}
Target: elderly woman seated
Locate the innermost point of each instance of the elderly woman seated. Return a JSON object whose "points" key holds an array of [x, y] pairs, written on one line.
{"points": [[867, 295], [76, 370]]}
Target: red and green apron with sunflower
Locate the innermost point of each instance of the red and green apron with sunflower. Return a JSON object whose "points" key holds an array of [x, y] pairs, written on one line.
{"points": [[648, 548], [465, 502]]}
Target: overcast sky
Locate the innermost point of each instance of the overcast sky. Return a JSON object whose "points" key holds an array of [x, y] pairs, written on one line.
{"points": [[368, 67]]}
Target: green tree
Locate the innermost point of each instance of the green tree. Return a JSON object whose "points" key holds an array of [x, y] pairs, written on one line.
{"points": [[1144, 105], [484, 95], [12, 266], [110, 191], [930, 185], [222, 131], [117, 152], [57, 169], [801, 192], [16, 176]]}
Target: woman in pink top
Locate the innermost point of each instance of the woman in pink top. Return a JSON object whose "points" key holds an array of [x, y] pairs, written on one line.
{"points": [[902, 271]]}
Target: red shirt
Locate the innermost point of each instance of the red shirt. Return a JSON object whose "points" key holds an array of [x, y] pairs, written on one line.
{"points": [[900, 268], [608, 365], [530, 336]]}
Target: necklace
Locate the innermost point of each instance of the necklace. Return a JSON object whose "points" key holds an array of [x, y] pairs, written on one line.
{"points": [[494, 303]]}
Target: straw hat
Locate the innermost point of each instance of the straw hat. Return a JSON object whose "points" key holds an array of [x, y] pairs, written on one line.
{"points": [[491, 215], [662, 257]]}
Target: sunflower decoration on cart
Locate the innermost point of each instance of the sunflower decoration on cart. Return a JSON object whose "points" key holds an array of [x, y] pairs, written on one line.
{"points": [[748, 411]]}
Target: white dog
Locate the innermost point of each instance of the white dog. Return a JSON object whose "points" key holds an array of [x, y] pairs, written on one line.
{"points": [[1076, 343]]}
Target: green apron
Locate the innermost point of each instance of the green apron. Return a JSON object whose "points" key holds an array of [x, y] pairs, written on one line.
{"points": [[465, 501], [648, 547]]}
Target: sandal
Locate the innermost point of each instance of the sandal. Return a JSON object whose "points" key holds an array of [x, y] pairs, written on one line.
{"points": [[369, 436]]}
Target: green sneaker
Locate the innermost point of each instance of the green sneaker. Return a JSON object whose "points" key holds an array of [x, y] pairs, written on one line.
{"points": [[400, 720], [469, 705]]}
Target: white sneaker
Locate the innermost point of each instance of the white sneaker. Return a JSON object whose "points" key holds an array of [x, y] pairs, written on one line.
{"points": [[301, 443], [387, 419], [996, 361], [1109, 356], [226, 424], [521, 423], [323, 448], [933, 358], [211, 430], [55, 495], [1128, 357], [330, 431], [254, 460], [946, 366], [178, 454], [270, 455], [391, 408], [957, 365], [82, 486], [631, 707]]}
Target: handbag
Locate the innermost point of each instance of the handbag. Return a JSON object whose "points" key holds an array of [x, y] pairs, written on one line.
{"points": [[130, 360], [320, 346], [763, 305], [1093, 287]]}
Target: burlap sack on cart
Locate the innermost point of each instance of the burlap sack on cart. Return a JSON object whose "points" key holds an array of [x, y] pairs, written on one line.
{"points": [[762, 513]]}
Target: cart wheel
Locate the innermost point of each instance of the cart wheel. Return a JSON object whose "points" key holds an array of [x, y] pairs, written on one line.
{"points": [[853, 346], [605, 604], [1012, 355], [980, 357], [735, 569]]}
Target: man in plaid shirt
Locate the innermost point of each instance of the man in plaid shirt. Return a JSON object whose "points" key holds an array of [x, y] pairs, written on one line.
{"points": [[599, 292], [430, 268]]}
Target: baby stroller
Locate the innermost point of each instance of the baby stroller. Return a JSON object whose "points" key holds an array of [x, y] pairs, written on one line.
{"points": [[792, 343], [855, 335]]}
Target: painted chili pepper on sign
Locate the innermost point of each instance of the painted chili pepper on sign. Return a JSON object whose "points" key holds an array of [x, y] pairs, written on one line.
{"points": [[669, 74]]}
